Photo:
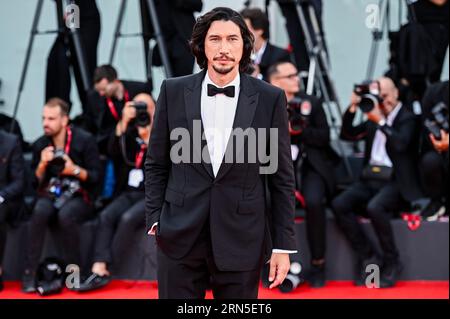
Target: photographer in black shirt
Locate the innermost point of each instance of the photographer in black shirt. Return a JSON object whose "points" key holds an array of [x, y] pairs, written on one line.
{"points": [[66, 168], [125, 214]]}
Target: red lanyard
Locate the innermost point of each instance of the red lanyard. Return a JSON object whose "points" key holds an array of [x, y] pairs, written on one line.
{"points": [[112, 107], [140, 156], [69, 140]]}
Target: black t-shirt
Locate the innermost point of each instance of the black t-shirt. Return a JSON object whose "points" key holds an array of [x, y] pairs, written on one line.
{"points": [[428, 12], [83, 152]]}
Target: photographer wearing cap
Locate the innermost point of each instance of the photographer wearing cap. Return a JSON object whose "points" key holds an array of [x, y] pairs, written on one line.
{"points": [[12, 180], [120, 219], [313, 160], [388, 182], [434, 150], [66, 168]]}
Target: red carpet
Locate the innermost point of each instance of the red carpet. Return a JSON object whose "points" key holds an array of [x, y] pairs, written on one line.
{"points": [[334, 290]]}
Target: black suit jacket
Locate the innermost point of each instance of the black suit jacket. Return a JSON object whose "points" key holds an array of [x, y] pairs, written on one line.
{"points": [[272, 54], [183, 197], [12, 177], [315, 142], [401, 146]]}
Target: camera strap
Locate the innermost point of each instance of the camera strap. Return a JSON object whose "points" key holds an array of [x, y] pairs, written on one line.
{"points": [[69, 140], [140, 155], [112, 107]]}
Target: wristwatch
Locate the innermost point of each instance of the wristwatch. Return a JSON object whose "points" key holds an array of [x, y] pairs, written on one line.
{"points": [[77, 171]]}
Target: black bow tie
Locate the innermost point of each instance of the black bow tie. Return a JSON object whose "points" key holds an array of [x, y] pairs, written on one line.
{"points": [[213, 90]]}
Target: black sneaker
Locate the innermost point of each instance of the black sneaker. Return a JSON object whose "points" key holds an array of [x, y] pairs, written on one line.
{"points": [[433, 211], [28, 282], [361, 269], [93, 282], [389, 274], [316, 276]]}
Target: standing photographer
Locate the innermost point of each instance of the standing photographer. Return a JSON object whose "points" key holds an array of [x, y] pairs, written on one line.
{"points": [[434, 160], [313, 160], [125, 214], [66, 168], [388, 182]]}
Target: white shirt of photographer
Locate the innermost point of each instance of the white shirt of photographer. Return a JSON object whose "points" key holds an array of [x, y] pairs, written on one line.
{"points": [[218, 114]]}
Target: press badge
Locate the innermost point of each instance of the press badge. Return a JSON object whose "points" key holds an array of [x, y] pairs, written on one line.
{"points": [[135, 178]]}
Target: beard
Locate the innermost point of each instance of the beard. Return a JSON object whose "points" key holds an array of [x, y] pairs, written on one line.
{"points": [[224, 70]]}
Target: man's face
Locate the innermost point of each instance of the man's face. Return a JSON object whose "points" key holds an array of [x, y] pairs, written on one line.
{"points": [[224, 46], [53, 121], [106, 88], [287, 78], [256, 33], [389, 94]]}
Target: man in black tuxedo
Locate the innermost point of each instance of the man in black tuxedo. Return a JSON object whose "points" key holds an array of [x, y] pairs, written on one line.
{"points": [[209, 211], [389, 181], [266, 54], [12, 181], [314, 161]]}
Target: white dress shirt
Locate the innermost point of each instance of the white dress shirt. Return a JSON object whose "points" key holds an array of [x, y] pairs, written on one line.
{"points": [[258, 55], [379, 154]]}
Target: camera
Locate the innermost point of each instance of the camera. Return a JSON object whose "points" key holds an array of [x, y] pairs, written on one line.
{"points": [[57, 164], [50, 277], [299, 111], [293, 278], [61, 190], [142, 116], [370, 96], [439, 120]]}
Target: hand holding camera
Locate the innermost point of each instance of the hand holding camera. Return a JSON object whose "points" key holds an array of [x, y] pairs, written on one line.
{"points": [[440, 145], [47, 155]]}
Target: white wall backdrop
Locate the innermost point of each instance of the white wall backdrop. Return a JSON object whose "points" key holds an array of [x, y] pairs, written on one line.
{"points": [[347, 36]]}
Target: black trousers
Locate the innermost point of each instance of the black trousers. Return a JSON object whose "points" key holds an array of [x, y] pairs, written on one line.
{"points": [[314, 192], [191, 276], [117, 222], [379, 201], [434, 175], [69, 218], [6, 209]]}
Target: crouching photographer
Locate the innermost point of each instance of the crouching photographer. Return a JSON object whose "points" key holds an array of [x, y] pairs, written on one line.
{"points": [[388, 183], [120, 219], [66, 168], [313, 158], [434, 160]]}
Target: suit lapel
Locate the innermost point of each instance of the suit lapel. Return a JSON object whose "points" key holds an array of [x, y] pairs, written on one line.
{"points": [[192, 101], [245, 112]]}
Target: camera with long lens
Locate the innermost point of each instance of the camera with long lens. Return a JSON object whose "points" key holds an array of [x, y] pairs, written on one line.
{"points": [[370, 96], [61, 190], [293, 278], [142, 117], [438, 121], [50, 277], [57, 164], [299, 111]]}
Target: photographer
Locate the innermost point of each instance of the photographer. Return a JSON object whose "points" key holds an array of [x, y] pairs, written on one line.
{"points": [[125, 214], [66, 168], [107, 101], [388, 182], [313, 159], [266, 54], [434, 150], [12, 180]]}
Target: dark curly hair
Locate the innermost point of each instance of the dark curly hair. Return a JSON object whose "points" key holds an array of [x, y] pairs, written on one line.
{"points": [[202, 26]]}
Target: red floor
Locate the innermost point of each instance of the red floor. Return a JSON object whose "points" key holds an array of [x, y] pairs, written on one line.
{"points": [[333, 290]]}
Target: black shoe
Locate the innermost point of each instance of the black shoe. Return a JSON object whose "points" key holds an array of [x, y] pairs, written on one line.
{"points": [[361, 269], [28, 282], [93, 282], [389, 274], [316, 276], [433, 211], [1, 283]]}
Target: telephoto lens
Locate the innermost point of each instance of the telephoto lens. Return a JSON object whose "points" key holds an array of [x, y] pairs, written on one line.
{"points": [[293, 279]]}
